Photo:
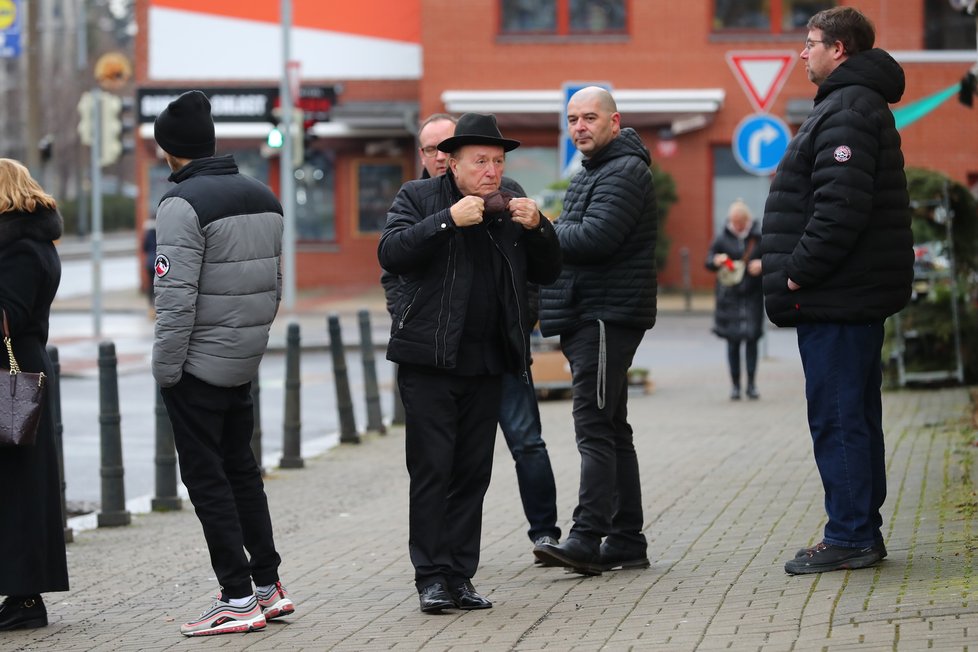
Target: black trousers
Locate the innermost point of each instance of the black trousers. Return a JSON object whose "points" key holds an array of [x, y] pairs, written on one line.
{"points": [[610, 495], [212, 429], [450, 431]]}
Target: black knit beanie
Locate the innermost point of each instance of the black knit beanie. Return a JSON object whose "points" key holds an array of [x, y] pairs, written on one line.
{"points": [[185, 128]]}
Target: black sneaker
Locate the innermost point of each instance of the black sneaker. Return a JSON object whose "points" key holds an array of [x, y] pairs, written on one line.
{"points": [[879, 545], [826, 557]]}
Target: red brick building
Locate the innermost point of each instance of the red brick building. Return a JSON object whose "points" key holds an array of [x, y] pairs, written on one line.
{"points": [[670, 66]]}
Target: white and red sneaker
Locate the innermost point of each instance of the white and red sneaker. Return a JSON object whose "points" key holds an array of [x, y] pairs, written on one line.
{"points": [[225, 618], [274, 601]]}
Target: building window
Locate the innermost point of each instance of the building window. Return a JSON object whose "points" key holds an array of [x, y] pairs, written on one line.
{"points": [[563, 17], [946, 28], [376, 184], [315, 198], [774, 16]]}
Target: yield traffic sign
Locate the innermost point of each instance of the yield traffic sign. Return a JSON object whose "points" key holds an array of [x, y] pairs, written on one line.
{"points": [[761, 74]]}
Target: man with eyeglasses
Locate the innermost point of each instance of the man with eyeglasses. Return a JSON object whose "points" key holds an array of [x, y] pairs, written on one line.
{"points": [[465, 253], [838, 260]]}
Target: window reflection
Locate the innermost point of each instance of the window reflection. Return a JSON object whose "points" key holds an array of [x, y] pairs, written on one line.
{"points": [[529, 16], [596, 16], [315, 197]]}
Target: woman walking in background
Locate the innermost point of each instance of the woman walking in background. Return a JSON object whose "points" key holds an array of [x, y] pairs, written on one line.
{"points": [[735, 256], [32, 546]]}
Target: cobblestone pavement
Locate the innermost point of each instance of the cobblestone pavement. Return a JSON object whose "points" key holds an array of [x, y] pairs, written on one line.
{"points": [[730, 492]]}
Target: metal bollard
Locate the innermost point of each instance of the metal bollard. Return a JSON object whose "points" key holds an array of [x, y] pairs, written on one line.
{"points": [[687, 279], [292, 426], [344, 403], [166, 498], [54, 398], [256, 429], [113, 509], [398, 418], [375, 420]]}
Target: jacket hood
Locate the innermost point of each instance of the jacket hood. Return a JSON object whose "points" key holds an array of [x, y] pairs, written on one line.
{"points": [[43, 225], [875, 69], [626, 144]]}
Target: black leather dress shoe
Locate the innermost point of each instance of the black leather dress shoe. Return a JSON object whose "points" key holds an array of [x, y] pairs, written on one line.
{"points": [[23, 612], [572, 553], [614, 558], [434, 597], [466, 597]]}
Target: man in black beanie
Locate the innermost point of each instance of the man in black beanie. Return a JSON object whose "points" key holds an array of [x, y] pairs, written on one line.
{"points": [[212, 324]]}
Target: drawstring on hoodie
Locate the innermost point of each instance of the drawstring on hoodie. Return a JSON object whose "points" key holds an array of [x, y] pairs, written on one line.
{"points": [[602, 384]]}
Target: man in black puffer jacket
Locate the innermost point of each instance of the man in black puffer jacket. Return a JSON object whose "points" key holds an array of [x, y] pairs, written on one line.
{"points": [[838, 260], [601, 307]]}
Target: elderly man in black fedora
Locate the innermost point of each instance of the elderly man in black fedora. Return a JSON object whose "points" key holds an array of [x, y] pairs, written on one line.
{"points": [[465, 252]]}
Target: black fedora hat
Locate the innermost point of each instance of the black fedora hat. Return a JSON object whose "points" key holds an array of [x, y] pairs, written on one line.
{"points": [[477, 129]]}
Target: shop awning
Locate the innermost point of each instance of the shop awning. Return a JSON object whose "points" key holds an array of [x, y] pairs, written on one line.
{"points": [[680, 110], [349, 120]]}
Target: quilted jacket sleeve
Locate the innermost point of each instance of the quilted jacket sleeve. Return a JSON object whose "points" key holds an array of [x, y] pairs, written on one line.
{"points": [[614, 205], [181, 243]]}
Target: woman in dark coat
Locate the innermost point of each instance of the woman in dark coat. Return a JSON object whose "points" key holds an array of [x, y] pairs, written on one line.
{"points": [[32, 546], [736, 257]]}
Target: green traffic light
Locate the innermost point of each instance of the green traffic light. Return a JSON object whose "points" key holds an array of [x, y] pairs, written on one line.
{"points": [[275, 138]]}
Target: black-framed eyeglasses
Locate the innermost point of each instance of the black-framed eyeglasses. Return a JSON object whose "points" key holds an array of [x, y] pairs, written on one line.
{"points": [[429, 151]]}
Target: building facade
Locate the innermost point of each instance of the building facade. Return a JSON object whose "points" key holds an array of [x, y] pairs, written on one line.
{"points": [[699, 80]]}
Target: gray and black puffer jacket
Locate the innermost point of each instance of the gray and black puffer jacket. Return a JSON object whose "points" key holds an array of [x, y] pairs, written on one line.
{"points": [[837, 219], [607, 232], [218, 278]]}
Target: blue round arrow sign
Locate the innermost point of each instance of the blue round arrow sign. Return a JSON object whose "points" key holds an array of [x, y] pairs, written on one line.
{"points": [[759, 142]]}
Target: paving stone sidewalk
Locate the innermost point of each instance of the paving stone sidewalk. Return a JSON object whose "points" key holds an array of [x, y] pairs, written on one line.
{"points": [[730, 492]]}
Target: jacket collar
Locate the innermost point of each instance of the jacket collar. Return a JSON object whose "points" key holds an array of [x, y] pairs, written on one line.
{"points": [[212, 165], [43, 225]]}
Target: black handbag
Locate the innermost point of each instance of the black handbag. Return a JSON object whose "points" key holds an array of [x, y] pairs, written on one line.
{"points": [[21, 399]]}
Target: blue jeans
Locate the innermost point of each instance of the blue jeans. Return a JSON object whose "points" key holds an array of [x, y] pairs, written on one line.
{"points": [[519, 419], [843, 375]]}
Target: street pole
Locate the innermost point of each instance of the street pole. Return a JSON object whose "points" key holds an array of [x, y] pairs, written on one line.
{"points": [[96, 190], [82, 226], [32, 157], [285, 163]]}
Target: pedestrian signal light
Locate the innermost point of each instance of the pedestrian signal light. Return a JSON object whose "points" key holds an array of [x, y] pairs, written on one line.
{"points": [[275, 138]]}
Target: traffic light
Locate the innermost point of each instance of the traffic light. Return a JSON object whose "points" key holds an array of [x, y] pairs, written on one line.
{"points": [[111, 142], [85, 126], [275, 138], [966, 94]]}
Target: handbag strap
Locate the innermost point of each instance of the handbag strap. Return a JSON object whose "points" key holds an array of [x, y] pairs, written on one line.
{"points": [[14, 367], [749, 248]]}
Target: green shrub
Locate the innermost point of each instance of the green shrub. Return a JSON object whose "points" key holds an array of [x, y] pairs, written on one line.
{"points": [[928, 316], [118, 214]]}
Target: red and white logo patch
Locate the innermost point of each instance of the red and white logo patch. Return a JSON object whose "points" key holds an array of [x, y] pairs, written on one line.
{"points": [[162, 266], [842, 154]]}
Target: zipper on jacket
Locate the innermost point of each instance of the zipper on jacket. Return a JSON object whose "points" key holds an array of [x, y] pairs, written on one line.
{"points": [[519, 311], [407, 311]]}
